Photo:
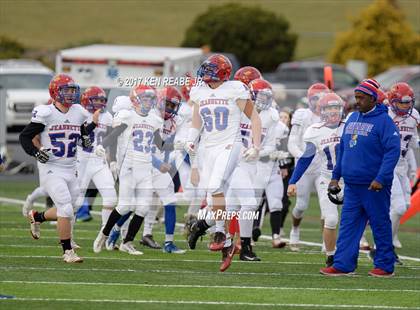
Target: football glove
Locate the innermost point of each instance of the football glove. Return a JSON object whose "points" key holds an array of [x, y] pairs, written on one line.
{"points": [[100, 151], [86, 142], [279, 155], [251, 154], [42, 155]]}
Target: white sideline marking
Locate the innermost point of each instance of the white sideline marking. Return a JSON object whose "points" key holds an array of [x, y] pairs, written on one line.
{"points": [[199, 302], [21, 202], [214, 286], [274, 274], [164, 260]]}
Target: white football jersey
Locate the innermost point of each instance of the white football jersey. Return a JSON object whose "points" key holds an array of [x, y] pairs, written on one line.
{"points": [[269, 119], [219, 111], [407, 126], [326, 141], [184, 123], [303, 118], [97, 136], [167, 132], [61, 133], [136, 142]]}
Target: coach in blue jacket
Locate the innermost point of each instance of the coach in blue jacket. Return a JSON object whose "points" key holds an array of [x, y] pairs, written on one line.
{"points": [[369, 151]]}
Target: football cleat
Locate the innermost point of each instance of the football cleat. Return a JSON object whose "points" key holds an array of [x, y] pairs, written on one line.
{"points": [[99, 242], [196, 232], [330, 260], [256, 233], [129, 248], [70, 256], [35, 226], [190, 219], [379, 273], [170, 247], [27, 206], [227, 255], [218, 242], [247, 255], [333, 272], [294, 239], [110, 243], [148, 241]]}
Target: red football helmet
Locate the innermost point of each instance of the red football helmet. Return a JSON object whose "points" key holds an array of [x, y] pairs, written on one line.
{"points": [[315, 92], [328, 114], [143, 98], [216, 68], [94, 98], [63, 89], [262, 94], [185, 89], [401, 94], [247, 74], [169, 100]]}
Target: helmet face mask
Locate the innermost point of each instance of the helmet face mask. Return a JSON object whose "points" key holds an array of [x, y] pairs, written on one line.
{"points": [[331, 108], [401, 99], [332, 114], [93, 99], [263, 99], [315, 93], [169, 101], [64, 90], [143, 99]]}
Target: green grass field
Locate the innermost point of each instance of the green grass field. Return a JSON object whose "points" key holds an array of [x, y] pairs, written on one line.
{"points": [[32, 271], [52, 24]]}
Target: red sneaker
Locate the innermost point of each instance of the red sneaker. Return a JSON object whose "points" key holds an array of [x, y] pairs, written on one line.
{"points": [[379, 273], [333, 272]]}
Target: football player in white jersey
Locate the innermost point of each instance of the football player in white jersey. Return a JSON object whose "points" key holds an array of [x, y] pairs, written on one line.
{"points": [[182, 161], [407, 119], [60, 126], [92, 166], [139, 128], [301, 120], [218, 106], [323, 139], [169, 100], [241, 196]]}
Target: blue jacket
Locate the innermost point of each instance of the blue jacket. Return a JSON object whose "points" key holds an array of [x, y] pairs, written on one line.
{"points": [[369, 148]]}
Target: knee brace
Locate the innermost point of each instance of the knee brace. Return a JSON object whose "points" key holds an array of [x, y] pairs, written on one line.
{"points": [[331, 221], [65, 210], [298, 213]]}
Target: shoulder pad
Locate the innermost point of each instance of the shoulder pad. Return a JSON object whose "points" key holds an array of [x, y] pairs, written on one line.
{"points": [[312, 132], [41, 113], [121, 103], [300, 117], [121, 117]]}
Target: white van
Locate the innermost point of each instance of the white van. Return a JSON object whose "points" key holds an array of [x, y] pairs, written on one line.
{"points": [[119, 66], [26, 85]]}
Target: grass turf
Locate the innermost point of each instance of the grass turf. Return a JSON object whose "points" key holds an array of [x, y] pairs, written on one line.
{"points": [[57, 24], [32, 271]]}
